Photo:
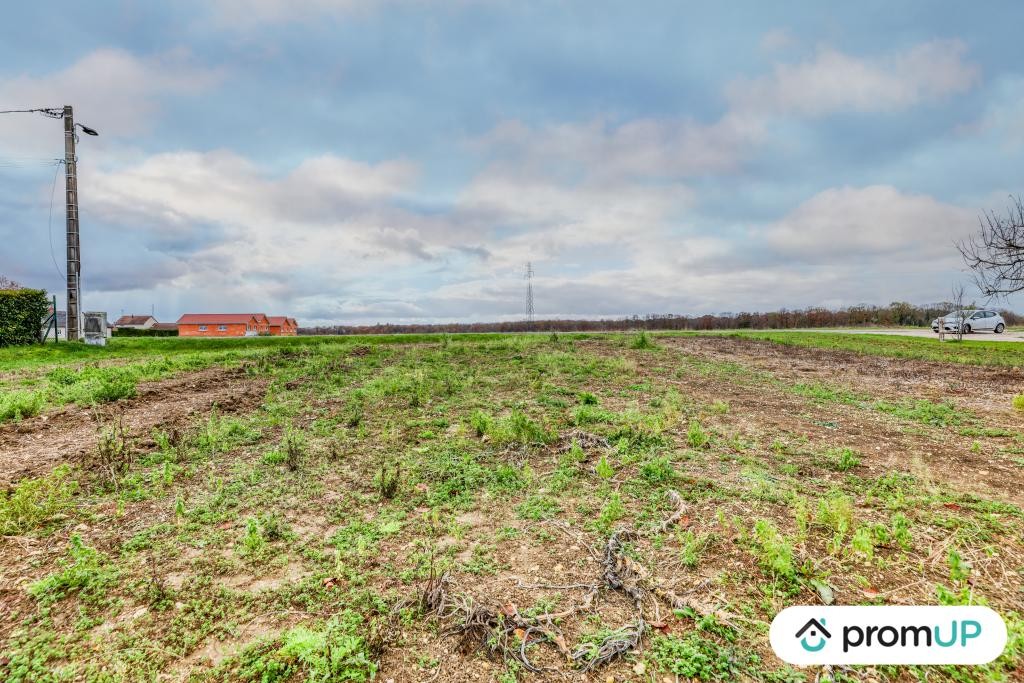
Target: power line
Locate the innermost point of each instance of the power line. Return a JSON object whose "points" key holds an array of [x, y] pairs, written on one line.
{"points": [[49, 222], [52, 112]]}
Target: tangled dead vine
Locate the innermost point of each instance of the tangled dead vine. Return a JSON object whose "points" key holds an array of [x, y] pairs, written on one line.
{"points": [[504, 633]]}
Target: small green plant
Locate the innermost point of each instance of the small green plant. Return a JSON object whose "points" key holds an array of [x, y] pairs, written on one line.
{"points": [[774, 551], [604, 468], [588, 399], [696, 436], [293, 445], [658, 470], [642, 342], [113, 456], [842, 459], [86, 574], [481, 422], [538, 507], [335, 652], [253, 540], [389, 479], [802, 516], [719, 407], [612, 511], [17, 405], [836, 513], [692, 545], [695, 656], [863, 542], [1018, 402], [900, 530], [35, 502]]}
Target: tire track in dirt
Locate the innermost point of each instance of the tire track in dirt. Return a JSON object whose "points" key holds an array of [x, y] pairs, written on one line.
{"points": [[37, 445]]}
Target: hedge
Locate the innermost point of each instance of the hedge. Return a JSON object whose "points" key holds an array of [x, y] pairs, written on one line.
{"points": [[22, 312], [134, 332]]}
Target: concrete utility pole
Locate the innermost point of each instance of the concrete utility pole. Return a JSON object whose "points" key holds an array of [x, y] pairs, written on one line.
{"points": [[74, 244], [74, 274]]}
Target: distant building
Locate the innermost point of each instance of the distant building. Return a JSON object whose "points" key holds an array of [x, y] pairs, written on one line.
{"points": [[164, 327], [223, 325], [281, 326], [135, 322]]}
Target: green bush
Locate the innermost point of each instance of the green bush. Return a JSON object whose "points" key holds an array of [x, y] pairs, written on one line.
{"points": [[21, 315], [132, 332]]}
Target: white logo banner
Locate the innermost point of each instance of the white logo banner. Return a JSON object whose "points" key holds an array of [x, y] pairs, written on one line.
{"points": [[809, 635]]}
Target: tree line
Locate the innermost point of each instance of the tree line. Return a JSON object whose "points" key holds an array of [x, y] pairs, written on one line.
{"points": [[898, 313]]}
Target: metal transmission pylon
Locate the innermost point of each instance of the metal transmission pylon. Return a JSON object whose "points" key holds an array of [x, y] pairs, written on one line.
{"points": [[529, 291]]}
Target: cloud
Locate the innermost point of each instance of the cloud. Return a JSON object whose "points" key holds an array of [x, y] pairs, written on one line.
{"points": [[777, 39], [877, 222], [832, 82], [112, 90], [230, 220], [836, 82], [641, 147], [247, 14]]}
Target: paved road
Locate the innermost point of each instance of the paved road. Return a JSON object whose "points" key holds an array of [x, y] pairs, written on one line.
{"points": [[1008, 336]]}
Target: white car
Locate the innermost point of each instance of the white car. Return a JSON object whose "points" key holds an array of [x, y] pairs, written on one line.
{"points": [[972, 321]]}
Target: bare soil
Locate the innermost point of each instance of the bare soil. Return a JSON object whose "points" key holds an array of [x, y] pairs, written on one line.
{"points": [[36, 445]]}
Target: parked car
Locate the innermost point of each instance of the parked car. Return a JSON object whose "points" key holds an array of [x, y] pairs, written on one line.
{"points": [[972, 321]]}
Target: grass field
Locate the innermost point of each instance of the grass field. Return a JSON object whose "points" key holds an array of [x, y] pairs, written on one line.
{"points": [[496, 508]]}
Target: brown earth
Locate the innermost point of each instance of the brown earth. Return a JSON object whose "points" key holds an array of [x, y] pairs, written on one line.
{"points": [[36, 445]]}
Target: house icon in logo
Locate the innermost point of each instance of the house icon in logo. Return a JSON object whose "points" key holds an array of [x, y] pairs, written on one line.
{"points": [[817, 630]]}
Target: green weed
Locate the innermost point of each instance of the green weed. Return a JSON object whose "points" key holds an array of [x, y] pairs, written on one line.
{"points": [[836, 513], [36, 502], [86, 574], [841, 459], [774, 551], [337, 651], [696, 437], [642, 342], [17, 405]]}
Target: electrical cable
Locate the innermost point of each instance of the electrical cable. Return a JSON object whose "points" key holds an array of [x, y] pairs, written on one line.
{"points": [[49, 223], [52, 112]]}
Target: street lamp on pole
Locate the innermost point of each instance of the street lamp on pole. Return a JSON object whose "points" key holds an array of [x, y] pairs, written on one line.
{"points": [[74, 249]]}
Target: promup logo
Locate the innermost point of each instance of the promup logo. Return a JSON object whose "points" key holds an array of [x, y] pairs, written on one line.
{"points": [[888, 635], [817, 630]]}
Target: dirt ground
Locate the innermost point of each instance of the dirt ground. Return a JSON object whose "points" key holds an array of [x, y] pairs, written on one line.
{"points": [[538, 538], [36, 445]]}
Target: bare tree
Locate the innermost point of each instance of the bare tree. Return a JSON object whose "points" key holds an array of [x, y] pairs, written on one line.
{"points": [[7, 283], [996, 253], [958, 306]]}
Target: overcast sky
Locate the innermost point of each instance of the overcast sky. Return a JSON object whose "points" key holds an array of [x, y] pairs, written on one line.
{"points": [[400, 160]]}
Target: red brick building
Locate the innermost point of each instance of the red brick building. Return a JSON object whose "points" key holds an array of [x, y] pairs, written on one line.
{"points": [[223, 325], [281, 326]]}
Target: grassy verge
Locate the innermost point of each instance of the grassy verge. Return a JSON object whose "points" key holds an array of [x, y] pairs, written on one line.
{"points": [[969, 352]]}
